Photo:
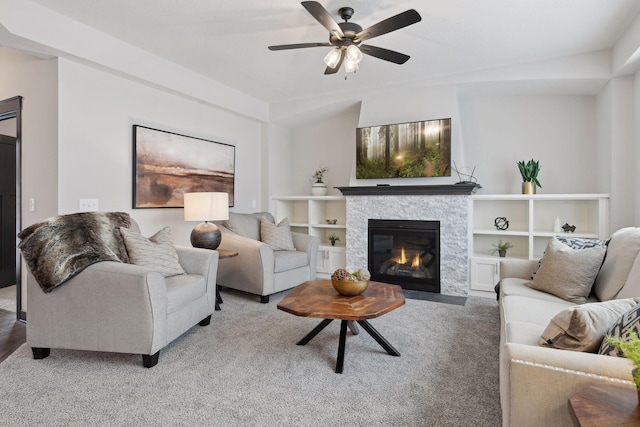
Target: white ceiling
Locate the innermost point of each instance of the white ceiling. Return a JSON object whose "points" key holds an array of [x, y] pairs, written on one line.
{"points": [[227, 40]]}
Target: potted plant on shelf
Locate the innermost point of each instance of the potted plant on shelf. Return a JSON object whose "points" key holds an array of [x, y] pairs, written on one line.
{"points": [[630, 349], [529, 172], [319, 188], [333, 238], [501, 248]]}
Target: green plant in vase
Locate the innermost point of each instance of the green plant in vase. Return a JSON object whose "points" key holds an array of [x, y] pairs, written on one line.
{"points": [[501, 248], [529, 172], [630, 349], [333, 238]]}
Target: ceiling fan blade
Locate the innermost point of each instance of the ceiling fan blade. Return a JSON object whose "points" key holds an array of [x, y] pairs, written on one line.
{"points": [[396, 22], [298, 46], [385, 54], [337, 67], [323, 17]]}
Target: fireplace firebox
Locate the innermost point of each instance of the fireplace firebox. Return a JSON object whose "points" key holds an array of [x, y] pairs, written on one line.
{"points": [[405, 253]]}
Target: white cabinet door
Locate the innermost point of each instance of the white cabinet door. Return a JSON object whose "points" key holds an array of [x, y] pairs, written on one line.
{"points": [[485, 273], [331, 258]]}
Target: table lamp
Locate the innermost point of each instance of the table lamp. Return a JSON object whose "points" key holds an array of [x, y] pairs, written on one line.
{"points": [[206, 207]]}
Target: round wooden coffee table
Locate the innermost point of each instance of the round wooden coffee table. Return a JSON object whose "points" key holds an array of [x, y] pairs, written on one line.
{"points": [[318, 298]]}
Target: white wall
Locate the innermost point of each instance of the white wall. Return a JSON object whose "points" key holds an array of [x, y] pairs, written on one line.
{"points": [[96, 114], [36, 81], [327, 141], [559, 131]]}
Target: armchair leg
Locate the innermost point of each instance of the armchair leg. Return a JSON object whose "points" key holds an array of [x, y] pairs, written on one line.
{"points": [[205, 321], [149, 361], [264, 299], [40, 352]]}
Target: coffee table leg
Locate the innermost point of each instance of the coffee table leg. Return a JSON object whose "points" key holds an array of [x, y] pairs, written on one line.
{"points": [[376, 336], [353, 326], [341, 346], [314, 332]]}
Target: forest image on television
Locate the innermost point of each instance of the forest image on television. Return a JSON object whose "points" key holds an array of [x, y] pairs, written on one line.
{"points": [[404, 150]]}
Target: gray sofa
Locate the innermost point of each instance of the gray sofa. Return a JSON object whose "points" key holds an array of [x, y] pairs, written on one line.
{"points": [[258, 269], [535, 381], [124, 308]]}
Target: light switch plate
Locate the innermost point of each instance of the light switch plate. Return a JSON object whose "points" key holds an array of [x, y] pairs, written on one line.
{"points": [[88, 205]]}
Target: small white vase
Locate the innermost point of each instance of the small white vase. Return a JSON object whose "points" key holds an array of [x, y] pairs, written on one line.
{"points": [[319, 189]]}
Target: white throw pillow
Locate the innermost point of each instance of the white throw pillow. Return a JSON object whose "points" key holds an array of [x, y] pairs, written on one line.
{"points": [[156, 252], [568, 273], [277, 236], [582, 327]]}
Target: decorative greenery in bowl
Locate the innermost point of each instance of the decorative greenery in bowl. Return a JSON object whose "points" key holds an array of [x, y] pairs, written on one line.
{"points": [[529, 171], [333, 238], [320, 172]]}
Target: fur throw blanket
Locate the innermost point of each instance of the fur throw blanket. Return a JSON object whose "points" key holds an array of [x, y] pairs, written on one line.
{"points": [[60, 247]]}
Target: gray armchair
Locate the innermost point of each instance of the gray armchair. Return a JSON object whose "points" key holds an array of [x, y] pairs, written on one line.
{"points": [[258, 269], [124, 308]]}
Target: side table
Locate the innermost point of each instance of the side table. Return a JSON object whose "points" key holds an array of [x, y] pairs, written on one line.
{"points": [[605, 405], [223, 254]]}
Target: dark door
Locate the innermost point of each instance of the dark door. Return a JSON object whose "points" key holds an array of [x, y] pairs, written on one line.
{"points": [[7, 211]]}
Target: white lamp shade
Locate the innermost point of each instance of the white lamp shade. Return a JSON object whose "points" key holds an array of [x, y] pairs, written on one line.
{"points": [[206, 206]]}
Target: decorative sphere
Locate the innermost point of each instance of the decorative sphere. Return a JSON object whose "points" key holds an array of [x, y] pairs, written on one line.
{"points": [[501, 223]]}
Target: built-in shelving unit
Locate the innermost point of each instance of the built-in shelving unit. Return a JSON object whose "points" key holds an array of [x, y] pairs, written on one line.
{"points": [[309, 214], [531, 225]]}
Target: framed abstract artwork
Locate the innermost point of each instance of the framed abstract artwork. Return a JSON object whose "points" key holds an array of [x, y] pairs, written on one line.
{"points": [[166, 165], [404, 150]]}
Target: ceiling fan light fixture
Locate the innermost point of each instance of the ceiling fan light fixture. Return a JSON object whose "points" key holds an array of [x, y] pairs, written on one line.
{"points": [[350, 66], [354, 54], [332, 58]]}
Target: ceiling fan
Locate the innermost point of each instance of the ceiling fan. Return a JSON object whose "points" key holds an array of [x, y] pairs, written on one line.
{"points": [[347, 37]]}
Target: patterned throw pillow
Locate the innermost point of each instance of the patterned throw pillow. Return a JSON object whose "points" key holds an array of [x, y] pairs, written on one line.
{"points": [[277, 236], [575, 243], [628, 322], [156, 252]]}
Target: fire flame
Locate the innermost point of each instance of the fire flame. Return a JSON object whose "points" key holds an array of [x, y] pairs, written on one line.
{"points": [[415, 262]]}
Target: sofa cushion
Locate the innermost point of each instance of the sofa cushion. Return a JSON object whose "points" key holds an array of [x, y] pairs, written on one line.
{"points": [[622, 251], [582, 328], [628, 322], [247, 225], [277, 236], [183, 290], [156, 252], [517, 286], [568, 273], [517, 308], [288, 260], [523, 333]]}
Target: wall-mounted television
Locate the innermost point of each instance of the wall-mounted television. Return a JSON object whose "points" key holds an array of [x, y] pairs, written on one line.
{"points": [[404, 150]]}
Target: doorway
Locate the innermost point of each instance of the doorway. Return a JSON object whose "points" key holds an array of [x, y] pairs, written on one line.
{"points": [[10, 197]]}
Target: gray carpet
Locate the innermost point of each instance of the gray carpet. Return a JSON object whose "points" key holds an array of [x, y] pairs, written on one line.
{"points": [[245, 369]]}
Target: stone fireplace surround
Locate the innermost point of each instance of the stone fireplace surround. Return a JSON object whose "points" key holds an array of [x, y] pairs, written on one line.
{"points": [[452, 210]]}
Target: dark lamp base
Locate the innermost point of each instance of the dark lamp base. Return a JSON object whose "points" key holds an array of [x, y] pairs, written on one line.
{"points": [[206, 235]]}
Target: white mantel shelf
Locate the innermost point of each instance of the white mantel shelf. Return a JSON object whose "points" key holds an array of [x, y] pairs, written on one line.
{"points": [[411, 190]]}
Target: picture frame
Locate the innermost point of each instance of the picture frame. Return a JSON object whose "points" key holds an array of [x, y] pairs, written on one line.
{"points": [[166, 165], [404, 150]]}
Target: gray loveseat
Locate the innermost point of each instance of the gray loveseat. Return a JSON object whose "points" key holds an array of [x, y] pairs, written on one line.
{"points": [[258, 268], [535, 381]]}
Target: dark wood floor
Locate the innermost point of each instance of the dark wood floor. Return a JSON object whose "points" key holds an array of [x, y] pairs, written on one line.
{"points": [[13, 333]]}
